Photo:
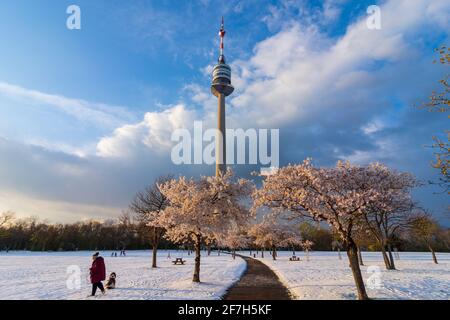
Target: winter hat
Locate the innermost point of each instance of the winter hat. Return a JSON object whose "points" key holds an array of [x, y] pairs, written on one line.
{"points": [[96, 254]]}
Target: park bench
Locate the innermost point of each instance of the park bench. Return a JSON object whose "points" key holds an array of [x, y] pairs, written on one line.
{"points": [[178, 261], [294, 258]]}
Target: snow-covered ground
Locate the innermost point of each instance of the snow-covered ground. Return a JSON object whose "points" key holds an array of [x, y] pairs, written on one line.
{"points": [[324, 276], [29, 275]]}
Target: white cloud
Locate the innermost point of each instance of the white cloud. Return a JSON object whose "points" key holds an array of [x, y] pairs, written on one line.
{"points": [[385, 149], [95, 113], [373, 127], [153, 132], [331, 9], [299, 72], [82, 152]]}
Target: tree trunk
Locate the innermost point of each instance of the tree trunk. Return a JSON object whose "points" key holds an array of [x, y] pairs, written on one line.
{"points": [[274, 253], [391, 257], [339, 254], [196, 277], [262, 253], [352, 253], [155, 248], [360, 259], [385, 257], [209, 250], [234, 254], [154, 254], [433, 254]]}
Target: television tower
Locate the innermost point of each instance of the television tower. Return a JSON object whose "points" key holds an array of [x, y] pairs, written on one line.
{"points": [[221, 87]]}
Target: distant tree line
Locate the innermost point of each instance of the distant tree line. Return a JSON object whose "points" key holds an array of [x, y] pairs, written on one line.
{"points": [[112, 234], [132, 233]]}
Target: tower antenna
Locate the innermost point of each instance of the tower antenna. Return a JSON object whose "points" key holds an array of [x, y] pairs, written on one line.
{"points": [[222, 33]]}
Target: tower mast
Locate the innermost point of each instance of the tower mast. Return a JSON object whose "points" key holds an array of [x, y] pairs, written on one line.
{"points": [[221, 87]]}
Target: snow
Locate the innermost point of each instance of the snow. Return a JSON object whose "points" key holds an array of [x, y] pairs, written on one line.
{"points": [[324, 276], [36, 275], [41, 275]]}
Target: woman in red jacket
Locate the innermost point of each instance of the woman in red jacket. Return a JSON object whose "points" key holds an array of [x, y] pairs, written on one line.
{"points": [[98, 273]]}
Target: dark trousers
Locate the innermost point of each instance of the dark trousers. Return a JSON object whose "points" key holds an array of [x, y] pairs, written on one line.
{"points": [[97, 285]]}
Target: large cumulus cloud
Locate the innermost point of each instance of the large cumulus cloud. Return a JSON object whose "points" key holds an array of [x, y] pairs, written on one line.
{"points": [[347, 97]]}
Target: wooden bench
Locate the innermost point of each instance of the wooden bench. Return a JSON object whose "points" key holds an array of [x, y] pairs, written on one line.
{"points": [[178, 261], [294, 258]]}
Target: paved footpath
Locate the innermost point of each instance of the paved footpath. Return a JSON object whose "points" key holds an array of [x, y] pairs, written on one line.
{"points": [[259, 282]]}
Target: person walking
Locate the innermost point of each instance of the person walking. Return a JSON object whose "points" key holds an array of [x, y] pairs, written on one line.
{"points": [[97, 272]]}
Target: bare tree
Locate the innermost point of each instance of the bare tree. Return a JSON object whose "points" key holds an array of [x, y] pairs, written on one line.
{"points": [[126, 229], [426, 229], [362, 237], [393, 212], [440, 102], [6, 218], [147, 205]]}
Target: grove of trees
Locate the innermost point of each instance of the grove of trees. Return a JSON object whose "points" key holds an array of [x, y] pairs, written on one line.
{"points": [[346, 207], [351, 199]]}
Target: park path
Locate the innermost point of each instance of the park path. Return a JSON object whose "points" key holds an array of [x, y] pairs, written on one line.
{"points": [[259, 282]]}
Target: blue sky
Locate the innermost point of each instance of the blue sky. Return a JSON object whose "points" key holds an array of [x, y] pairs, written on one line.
{"points": [[84, 114]]}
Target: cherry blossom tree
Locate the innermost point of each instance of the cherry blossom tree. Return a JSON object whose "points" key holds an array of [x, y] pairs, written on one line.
{"points": [[336, 245], [209, 242], [337, 195], [307, 245], [203, 209], [262, 238], [292, 238], [235, 238], [273, 234]]}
